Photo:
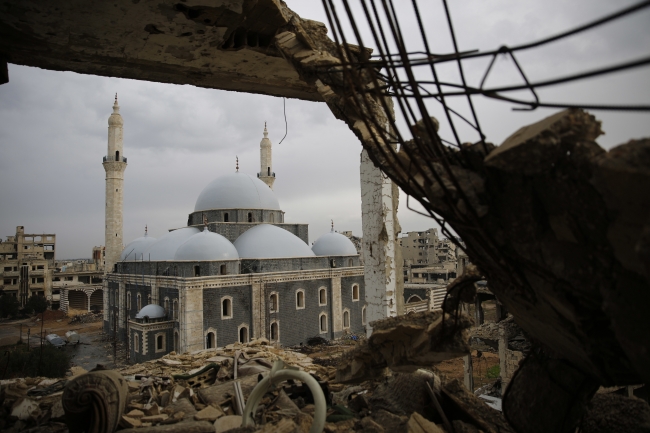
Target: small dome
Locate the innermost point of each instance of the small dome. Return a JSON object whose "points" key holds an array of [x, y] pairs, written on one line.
{"points": [[206, 246], [334, 244], [151, 311], [236, 191], [115, 119], [136, 248], [267, 241], [165, 247]]}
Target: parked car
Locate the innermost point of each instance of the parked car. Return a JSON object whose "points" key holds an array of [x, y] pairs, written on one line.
{"points": [[55, 340]]}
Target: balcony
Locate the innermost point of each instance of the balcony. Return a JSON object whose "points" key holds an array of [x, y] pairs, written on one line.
{"points": [[114, 158]]}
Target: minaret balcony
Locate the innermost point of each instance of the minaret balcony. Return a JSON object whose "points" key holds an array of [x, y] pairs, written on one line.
{"points": [[111, 158], [264, 175]]}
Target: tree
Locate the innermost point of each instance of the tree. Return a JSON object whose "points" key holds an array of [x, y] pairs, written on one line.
{"points": [[9, 305], [36, 304]]}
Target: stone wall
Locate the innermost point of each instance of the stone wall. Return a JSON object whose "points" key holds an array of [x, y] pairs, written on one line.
{"points": [[354, 307], [227, 330]]}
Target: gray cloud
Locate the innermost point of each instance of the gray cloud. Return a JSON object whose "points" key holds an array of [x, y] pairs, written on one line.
{"points": [[53, 128]]}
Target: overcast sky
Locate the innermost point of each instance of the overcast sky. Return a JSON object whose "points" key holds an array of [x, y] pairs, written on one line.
{"points": [[53, 128]]}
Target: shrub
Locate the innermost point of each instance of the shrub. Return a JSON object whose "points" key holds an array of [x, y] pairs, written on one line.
{"points": [[9, 305], [20, 362], [36, 304], [493, 372]]}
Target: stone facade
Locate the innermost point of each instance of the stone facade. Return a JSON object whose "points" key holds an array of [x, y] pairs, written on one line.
{"points": [[114, 165]]}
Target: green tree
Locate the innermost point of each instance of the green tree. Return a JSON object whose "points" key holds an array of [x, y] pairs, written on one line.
{"points": [[36, 304], [9, 305]]}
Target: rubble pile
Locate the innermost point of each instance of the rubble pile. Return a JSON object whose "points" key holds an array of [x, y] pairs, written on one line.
{"points": [[87, 318]]}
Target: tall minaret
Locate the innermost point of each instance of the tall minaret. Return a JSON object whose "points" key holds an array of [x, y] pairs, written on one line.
{"points": [[114, 165], [266, 174]]}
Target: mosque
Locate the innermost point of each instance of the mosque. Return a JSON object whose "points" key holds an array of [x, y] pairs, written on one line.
{"points": [[237, 272]]}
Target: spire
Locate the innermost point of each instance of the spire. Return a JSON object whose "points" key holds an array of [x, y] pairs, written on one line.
{"points": [[237, 163], [116, 107], [145, 231], [332, 226], [266, 133]]}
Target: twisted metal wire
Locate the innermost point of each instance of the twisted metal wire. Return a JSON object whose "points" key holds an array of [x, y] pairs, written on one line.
{"points": [[389, 79]]}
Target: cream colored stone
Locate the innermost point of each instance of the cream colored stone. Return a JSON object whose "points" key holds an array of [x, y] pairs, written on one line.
{"points": [[227, 422]]}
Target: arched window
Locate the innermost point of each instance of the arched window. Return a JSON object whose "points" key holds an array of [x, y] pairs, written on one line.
{"points": [[223, 270], [323, 322], [363, 315], [139, 302], [275, 332], [148, 299], [175, 309], [350, 262], [225, 217], [300, 298], [322, 296], [136, 343], [161, 342], [167, 306], [413, 298], [210, 341], [243, 334], [346, 319], [272, 218], [250, 217], [274, 304], [117, 155], [268, 171], [128, 300], [197, 271], [226, 308], [355, 292]]}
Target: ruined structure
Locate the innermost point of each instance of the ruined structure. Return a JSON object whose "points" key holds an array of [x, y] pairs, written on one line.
{"points": [[27, 264]]}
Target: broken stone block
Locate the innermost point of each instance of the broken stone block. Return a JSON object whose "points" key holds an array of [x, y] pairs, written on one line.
{"points": [[152, 409], [164, 398], [155, 418], [227, 422], [25, 408], [129, 422], [210, 413], [370, 426], [419, 424], [285, 425], [135, 413]]}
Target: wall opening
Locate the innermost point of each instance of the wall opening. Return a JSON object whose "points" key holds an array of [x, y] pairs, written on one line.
{"points": [[136, 343], [272, 218], [268, 171], [363, 316], [175, 310], [139, 302], [350, 263], [355, 292], [226, 308], [176, 349], [117, 155], [243, 334], [323, 323], [210, 341], [322, 296], [346, 319], [250, 217], [223, 270], [274, 331], [300, 299], [273, 301], [225, 217], [197, 271]]}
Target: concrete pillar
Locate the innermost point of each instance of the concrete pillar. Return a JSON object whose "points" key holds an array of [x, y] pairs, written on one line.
{"points": [[382, 262], [337, 305], [191, 314], [468, 373], [258, 310]]}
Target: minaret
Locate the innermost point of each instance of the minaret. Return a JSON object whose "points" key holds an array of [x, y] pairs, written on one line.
{"points": [[114, 165], [266, 174]]}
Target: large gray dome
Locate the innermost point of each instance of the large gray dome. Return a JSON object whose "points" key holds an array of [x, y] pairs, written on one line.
{"points": [[334, 244], [136, 248], [165, 247], [236, 191], [267, 241], [206, 246]]}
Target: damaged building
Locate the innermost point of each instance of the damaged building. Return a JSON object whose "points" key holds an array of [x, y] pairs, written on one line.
{"points": [[556, 224]]}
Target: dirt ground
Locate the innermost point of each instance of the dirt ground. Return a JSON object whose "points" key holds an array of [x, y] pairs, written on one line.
{"points": [[453, 368], [87, 354]]}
